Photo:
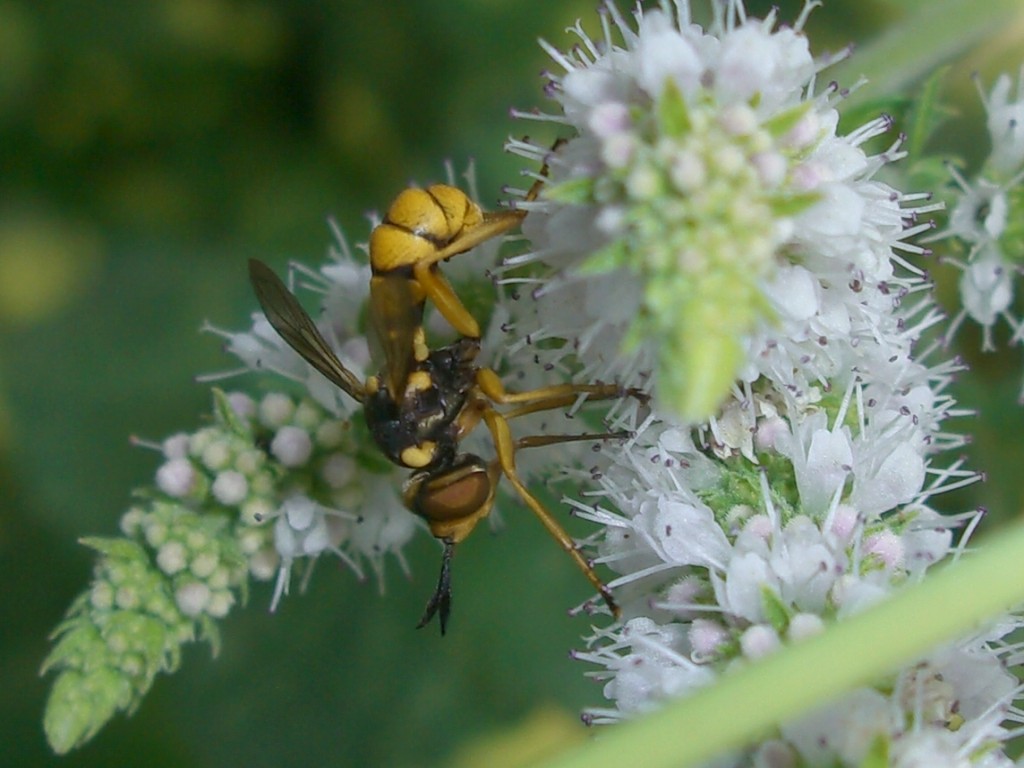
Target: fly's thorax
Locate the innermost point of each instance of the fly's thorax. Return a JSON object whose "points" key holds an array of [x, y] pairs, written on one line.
{"points": [[416, 426], [457, 361]]}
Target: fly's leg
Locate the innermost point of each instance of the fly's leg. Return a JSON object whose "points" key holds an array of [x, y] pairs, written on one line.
{"points": [[547, 398], [506, 448]]}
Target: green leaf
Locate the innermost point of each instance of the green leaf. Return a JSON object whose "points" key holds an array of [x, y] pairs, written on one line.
{"points": [[878, 754], [929, 35], [926, 113], [931, 173], [673, 112], [78, 638], [775, 611], [210, 632], [575, 191], [855, 115], [783, 122], [695, 370], [794, 203], [1012, 240], [116, 549], [145, 636], [613, 256]]}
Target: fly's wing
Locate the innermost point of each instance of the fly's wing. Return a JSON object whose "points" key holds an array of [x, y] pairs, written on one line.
{"points": [[396, 315], [289, 319]]}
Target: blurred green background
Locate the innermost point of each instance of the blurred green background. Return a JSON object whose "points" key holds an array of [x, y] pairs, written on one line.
{"points": [[147, 150]]}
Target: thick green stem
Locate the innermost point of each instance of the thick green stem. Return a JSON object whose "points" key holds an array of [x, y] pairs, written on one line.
{"points": [[954, 601], [931, 33]]}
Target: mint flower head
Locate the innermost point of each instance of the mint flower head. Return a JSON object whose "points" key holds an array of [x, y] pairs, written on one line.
{"points": [[704, 175], [710, 235], [262, 491]]}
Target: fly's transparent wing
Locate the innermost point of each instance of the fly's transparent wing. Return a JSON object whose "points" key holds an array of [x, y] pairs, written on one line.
{"points": [[290, 320]]}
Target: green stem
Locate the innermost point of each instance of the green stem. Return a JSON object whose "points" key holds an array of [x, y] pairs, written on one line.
{"points": [[929, 35], [954, 601]]}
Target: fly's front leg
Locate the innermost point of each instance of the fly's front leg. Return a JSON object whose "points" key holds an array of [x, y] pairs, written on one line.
{"points": [[542, 176], [491, 225], [443, 296]]}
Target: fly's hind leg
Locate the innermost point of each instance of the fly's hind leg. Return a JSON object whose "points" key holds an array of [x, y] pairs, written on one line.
{"points": [[506, 448], [536, 441], [547, 398]]}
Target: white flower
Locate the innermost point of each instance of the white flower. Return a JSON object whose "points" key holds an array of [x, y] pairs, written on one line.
{"points": [[1006, 125], [988, 217], [306, 529], [230, 487], [177, 478], [292, 446]]}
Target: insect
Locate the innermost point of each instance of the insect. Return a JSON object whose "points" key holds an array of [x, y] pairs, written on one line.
{"points": [[424, 401]]}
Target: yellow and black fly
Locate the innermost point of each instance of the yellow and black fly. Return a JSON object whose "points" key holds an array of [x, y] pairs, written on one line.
{"points": [[424, 401]]}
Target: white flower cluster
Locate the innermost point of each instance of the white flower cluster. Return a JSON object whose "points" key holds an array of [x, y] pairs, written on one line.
{"points": [[988, 217], [309, 486], [804, 497], [338, 495]]}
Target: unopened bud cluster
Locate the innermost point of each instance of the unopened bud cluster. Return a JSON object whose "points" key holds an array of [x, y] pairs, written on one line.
{"points": [[232, 499]]}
